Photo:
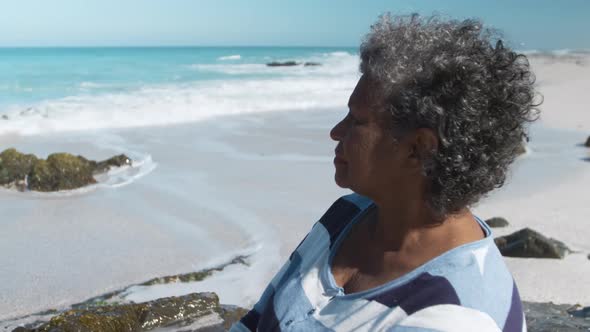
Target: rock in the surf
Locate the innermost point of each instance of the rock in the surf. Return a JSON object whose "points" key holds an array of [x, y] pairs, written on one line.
{"points": [[15, 166], [497, 222], [60, 171], [282, 64], [172, 313], [529, 243], [105, 165]]}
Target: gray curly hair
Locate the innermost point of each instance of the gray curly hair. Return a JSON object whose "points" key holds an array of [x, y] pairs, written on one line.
{"points": [[449, 76]]}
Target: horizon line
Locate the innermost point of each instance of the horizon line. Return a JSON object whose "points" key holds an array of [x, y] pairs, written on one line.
{"points": [[172, 46]]}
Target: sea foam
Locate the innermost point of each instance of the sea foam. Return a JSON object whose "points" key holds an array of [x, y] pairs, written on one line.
{"points": [[230, 57], [298, 88]]}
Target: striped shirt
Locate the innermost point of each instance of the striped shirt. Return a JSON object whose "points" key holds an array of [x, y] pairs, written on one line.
{"points": [[468, 288]]}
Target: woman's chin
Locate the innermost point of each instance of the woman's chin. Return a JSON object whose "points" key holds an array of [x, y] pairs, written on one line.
{"points": [[341, 180]]}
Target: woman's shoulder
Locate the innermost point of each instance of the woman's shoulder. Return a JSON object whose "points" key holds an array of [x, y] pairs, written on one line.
{"points": [[472, 276], [326, 231], [341, 213]]}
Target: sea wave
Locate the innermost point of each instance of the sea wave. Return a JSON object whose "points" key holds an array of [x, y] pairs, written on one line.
{"points": [[230, 57], [334, 63], [89, 85], [165, 105], [287, 88]]}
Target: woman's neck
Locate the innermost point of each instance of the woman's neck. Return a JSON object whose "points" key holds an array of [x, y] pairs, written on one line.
{"points": [[409, 233]]}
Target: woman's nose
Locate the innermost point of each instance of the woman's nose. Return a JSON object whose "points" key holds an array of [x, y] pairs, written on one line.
{"points": [[336, 132]]}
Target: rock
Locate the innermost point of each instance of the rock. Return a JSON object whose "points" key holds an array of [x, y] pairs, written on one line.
{"points": [[15, 166], [579, 311], [194, 276], [546, 317], [529, 243], [4, 117], [497, 222], [175, 313], [231, 314], [282, 64], [61, 171], [587, 144], [308, 64], [116, 161]]}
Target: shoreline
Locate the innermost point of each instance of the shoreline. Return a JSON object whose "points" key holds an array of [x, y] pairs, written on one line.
{"points": [[116, 297], [249, 140]]}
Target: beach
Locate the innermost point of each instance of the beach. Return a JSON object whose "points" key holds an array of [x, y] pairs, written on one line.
{"points": [[249, 178]]}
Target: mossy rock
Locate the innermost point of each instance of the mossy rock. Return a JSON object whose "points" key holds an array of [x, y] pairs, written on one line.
{"points": [[116, 161], [169, 311], [61, 171], [15, 166]]}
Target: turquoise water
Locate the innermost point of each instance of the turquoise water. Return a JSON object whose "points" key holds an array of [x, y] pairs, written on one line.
{"points": [[33, 74], [46, 90]]}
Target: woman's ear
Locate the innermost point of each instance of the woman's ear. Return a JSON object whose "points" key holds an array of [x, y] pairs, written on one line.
{"points": [[424, 143]]}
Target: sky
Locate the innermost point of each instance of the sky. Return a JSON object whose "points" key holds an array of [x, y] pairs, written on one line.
{"points": [[528, 24]]}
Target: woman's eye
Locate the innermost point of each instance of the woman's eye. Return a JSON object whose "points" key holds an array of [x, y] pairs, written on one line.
{"points": [[353, 120]]}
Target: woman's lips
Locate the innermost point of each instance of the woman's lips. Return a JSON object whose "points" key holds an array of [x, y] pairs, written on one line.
{"points": [[339, 161]]}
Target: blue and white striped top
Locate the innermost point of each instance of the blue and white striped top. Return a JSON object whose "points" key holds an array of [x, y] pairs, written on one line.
{"points": [[467, 288]]}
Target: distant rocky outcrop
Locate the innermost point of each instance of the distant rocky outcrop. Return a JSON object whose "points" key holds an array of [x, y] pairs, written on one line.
{"points": [[60, 171], [587, 144], [549, 317], [282, 64], [292, 63], [192, 312], [497, 222], [529, 243]]}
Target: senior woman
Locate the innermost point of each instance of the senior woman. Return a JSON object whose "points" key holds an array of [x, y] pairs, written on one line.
{"points": [[439, 113]]}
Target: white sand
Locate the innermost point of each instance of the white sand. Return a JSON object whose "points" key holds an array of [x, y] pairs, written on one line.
{"points": [[255, 184], [564, 85]]}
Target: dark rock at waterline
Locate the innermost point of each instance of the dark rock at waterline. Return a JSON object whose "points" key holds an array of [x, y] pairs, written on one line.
{"points": [[178, 313], [587, 144], [529, 243], [183, 313], [310, 64], [194, 276], [282, 64], [60, 171], [497, 222], [105, 165], [230, 315], [15, 166], [549, 317]]}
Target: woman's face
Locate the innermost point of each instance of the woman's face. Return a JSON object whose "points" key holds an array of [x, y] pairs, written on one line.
{"points": [[368, 158]]}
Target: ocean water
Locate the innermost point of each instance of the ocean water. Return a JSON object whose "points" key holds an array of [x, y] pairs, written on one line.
{"points": [[65, 89]]}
